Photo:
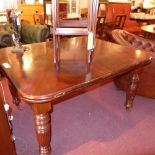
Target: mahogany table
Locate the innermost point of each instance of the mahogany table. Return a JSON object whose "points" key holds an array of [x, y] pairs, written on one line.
{"points": [[149, 31], [142, 18], [34, 78]]}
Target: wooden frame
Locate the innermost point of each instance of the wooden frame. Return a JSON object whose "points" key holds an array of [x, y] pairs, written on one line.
{"points": [[76, 27], [45, 15], [48, 13], [3, 18]]}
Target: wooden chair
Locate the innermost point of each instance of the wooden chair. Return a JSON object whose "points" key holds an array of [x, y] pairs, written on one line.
{"points": [[118, 23], [38, 19], [100, 25], [84, 12], [150, 11]]}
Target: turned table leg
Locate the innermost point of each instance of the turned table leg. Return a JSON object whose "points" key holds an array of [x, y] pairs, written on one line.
{"points": [[43, 132], [42, 120], [131, 92]]}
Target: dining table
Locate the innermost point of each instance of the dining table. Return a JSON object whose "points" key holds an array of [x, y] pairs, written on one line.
{"points": [[149, 31], [142, 17], [35, 79]]}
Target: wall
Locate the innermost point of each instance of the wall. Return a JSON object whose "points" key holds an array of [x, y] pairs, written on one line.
{"points": [[8, 4], [83, 3], [149, 3]]}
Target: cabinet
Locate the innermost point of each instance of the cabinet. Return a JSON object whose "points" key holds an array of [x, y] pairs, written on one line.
{"points": [[63, 6], [6, 145], [112, 9], [118, 8], [28, 11]]}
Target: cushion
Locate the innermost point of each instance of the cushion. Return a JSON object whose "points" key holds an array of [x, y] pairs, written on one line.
{"points": [[33, 33]]}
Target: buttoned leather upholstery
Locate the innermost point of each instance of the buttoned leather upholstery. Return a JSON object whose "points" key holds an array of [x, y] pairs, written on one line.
{"points": [[146, 86], [125, 38]]}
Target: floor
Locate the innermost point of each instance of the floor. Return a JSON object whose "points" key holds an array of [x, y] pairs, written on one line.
{"points": [[93, 123]]}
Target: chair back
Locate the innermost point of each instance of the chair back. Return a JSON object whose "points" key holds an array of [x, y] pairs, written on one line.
{"points": [[100, 24], [38, 19], [119, 21], [125, 38], [151, 11]]}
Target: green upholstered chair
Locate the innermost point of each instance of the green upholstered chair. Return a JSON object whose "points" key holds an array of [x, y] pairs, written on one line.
{"points": [[5, 35], [33, 33], [29, 34]]}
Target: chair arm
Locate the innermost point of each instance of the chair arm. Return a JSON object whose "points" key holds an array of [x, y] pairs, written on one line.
{"points": [[125, 38], [33, 33], [5, 39]]}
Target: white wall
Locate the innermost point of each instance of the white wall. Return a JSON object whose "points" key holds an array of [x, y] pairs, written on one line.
{"points": [[83, 3], [29, 1], [8, 4], [149, 3]]}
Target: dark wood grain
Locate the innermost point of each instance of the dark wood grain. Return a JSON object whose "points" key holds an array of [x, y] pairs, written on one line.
{"points": [[39, 81], [6, 144], [149, 31]]}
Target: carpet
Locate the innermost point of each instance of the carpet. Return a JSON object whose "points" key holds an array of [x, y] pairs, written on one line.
{"points": [[93, 123]]}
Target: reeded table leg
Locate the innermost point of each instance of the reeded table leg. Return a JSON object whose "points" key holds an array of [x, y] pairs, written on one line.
{"points": [[131, 92], [42, 121], [43, 131]]}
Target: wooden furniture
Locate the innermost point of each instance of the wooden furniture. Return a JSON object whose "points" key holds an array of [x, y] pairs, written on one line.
{"points": [[112, 9], [151, 11], [84, 12], [39, 19], [34, 78], [84, 29], [63, 6], [28, 34], [6, 144], [5, 35], [149, 31], [118, 23], [146, 85], [3, 18], [142, 18], [28, 11], [100, 25], [47, 4]]}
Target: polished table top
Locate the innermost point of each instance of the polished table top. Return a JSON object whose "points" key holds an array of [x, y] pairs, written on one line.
{"points": [[34, 77], [37, 79], [149, 28], [142, 16]]}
